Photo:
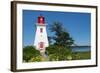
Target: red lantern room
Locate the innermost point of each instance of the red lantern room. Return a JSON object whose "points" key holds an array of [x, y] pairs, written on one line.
{"points": [[41, 20]]}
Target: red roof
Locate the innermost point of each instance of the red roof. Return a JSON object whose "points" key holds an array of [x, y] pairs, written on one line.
{"points": [[41, 20]]}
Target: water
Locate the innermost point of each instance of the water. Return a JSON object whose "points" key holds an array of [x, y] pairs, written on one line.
{"points": [[81, 49]]}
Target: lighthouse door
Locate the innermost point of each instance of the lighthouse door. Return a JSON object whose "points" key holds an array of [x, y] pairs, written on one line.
{"points": [[41, 45]]}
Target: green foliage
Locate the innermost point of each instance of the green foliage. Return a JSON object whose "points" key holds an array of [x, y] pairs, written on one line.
{"points": [[36, 59], [50, 40], [30, 52], [81, 55], [60, 49], [61, 37], [58, 53]]}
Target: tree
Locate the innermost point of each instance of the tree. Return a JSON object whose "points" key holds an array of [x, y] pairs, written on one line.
{"points": [[61, 37], [60, 49], [50, 40]]}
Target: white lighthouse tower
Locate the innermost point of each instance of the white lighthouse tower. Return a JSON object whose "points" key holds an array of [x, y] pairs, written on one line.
{"points": [[41, 39]]}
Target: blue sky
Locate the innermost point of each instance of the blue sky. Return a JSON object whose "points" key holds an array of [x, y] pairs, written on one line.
{"points": [[77, 24]]}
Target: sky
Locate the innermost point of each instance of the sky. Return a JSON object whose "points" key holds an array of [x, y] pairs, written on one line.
{"points": [[77, 24]]}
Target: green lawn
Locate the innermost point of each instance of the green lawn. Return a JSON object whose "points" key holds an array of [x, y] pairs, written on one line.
{"points": [[81, 55]]}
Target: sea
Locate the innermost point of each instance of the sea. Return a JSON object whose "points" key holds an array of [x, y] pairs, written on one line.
{"points": [[81, 49]]}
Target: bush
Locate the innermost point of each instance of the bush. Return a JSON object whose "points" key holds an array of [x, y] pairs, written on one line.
{"points": [[58, 53], [30, 52], [36, 59]]}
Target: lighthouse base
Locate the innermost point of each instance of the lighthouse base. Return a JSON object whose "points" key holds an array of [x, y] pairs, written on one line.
{"points": [[44, 55], [42, 50]]}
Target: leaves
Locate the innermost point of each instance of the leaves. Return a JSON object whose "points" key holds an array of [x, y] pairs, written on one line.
{"points": [[30, 52], [61, 36], [58, 53]]}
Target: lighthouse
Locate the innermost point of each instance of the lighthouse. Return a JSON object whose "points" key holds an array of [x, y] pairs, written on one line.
{"points": [[41, 39]]}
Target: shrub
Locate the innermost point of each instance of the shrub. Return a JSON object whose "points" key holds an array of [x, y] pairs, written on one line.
{"points": [[36, 59], [58, 53], [30, 52]]}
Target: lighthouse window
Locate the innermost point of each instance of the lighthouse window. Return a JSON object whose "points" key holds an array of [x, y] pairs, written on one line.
{"points": [[41, 30]]}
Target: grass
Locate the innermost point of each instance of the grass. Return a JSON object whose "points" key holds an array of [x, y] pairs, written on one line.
{"points": [[81, 55]]}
